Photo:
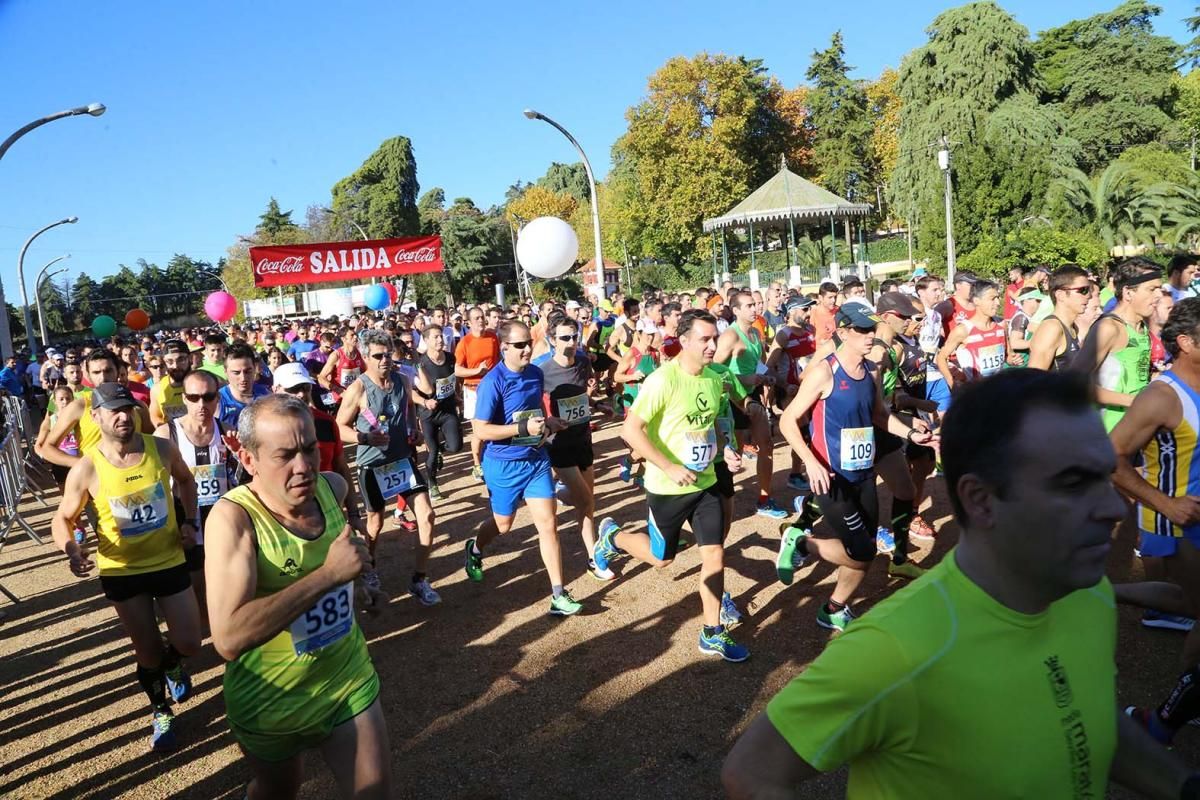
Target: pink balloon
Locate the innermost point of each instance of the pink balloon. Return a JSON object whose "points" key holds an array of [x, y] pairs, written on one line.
{"points": [[221, 306]]}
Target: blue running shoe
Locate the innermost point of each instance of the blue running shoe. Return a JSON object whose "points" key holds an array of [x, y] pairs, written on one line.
{"points": [[1149, 721], [720, 643], [605, 549], [798, 503], [179, 683], [562, 493], [885, 542], [799, 483], [730, 615], [1152, 618], [769, 509], [626, 469], [162, 736]]}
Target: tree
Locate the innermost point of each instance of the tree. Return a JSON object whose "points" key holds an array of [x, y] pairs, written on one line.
{"points": [[273, 221], [430, 209], [381, 195], [83, 297], [838, 113], [1111, 205], [791, 105], [474, 243], [53, 306], [538, 201], [883, 105], [569, 179]]}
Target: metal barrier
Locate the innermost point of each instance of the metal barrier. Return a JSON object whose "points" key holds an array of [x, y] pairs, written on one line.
{"points": [[17, 462]]}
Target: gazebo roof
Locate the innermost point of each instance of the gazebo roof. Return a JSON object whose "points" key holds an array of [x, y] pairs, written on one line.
{"points": [[787, 196]]}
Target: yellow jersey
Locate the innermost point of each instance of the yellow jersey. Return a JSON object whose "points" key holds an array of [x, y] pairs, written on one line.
{"points": [[170, 399], [136, 527]]}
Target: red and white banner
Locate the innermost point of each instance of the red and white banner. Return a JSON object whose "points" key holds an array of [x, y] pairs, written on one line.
{"points": [[285, 265]]}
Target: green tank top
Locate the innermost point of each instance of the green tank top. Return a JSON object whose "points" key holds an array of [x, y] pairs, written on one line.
{"points": [[292, 681], [889, 370], [746, 362], [645, 365], [1126, 370]]}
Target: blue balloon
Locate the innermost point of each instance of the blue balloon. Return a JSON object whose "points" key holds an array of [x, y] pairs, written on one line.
{"points": [[376, 297]]}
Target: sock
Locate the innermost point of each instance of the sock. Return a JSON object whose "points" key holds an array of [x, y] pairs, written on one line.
{"points": [[902, 516], [172, 659], [475, 547], [763, 498], [556, 590], [1183, 703], [154, 685], [713, 630], [833, 606], [418, 577], [401, 504]]}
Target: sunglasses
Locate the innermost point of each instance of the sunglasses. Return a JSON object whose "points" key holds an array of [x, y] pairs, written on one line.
{"points": [[207, 397], [570, 338], [521, 345], [1081, 290], [154, 366], [380, 356], [303, 388]]}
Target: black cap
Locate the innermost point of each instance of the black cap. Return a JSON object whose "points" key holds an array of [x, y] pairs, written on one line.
{"points": [[112, 396], [856, 315], [798, 302], [896, 303]]}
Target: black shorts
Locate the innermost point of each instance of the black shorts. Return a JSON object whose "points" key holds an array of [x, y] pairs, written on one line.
{"points": [[577, 453], [667, 513], [724, 479], [602, 363], [373, 497], [741, 419], [886, 444], [160, 583], [920, 452], [195, 557], [852, 510]]}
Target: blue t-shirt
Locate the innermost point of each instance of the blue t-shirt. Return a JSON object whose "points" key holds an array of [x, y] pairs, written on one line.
{"points": [[300, 347], [503, 393], [230, 407], [11, 381]]}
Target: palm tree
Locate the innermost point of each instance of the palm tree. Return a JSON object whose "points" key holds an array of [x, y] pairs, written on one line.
{"points": [[1114, 205], [812, 253]]}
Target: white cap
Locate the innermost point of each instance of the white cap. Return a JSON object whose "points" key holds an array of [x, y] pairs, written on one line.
{"points": [[572, 305], [289, 376]]}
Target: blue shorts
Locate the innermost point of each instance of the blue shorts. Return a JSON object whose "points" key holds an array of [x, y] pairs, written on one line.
{"points": [[938, 392], [1157, 545], [508, 482]]}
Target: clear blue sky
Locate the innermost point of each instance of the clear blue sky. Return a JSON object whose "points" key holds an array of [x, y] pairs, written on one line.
{"points": [[216, 106]]}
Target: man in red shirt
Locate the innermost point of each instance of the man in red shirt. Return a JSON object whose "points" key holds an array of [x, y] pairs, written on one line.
{"points": [[823, 313], [958, 307], [476, 353]]}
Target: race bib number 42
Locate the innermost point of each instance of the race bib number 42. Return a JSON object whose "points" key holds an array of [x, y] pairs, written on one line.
{"points": [[329, 620], [574, 410], [858, 448], [140, 512]]}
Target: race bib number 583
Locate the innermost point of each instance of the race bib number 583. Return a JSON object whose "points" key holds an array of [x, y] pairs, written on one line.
{"points": [[330, 619]]}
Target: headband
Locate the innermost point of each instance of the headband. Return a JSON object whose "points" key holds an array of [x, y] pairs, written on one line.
{"points": [[1148, 275]]}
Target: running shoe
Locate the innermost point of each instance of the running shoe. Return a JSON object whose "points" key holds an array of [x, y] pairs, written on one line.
{"points": [[564, 605], [477, 473], [749, 451], [604, 575], [799, 482], [562, 493], [722, 644], [792, 553], [1150, 722], [1152, 618], [906, 570], [435, 493], [836, 621], [406, 525], [162, 736], [605, 548], [800, 501], [179, 683], [884, 541], [424, 593], [474, 562], [770, 509], [730, 615], [920, 529], [626, 469]]}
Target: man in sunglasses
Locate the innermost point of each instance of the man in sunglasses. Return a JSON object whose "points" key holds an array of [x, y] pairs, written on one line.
{"points": [[1055, 343], [511, 419], [377, 415]]}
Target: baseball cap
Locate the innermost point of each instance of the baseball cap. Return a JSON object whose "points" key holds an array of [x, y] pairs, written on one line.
{"points": [[896, 303], [605, 305], [798, 302], [112, 396], [856, 315], [963, 277], [572, 305], [1031, 293], [919, 272], [289, 376]]}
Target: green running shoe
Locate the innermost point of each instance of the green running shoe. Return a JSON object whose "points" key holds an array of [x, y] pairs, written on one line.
{"points": [[837, 621], [564, 605], [474, 562], [792, 553]]}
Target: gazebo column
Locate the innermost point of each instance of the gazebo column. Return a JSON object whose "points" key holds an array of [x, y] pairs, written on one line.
{"points": [[753, 268], [724, 262], [716, 280], [794, 279], [835, 273]]}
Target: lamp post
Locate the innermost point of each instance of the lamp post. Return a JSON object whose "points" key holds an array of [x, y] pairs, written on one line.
{"points": [[587, 166], [37, 295], [92, 109], [944, 164], [21, 280]]}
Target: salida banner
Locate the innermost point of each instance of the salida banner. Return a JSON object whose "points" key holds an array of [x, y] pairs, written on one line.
{"points": [[285, 265]]}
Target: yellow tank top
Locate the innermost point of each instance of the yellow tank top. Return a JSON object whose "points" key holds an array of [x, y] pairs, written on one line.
{"points": [[321, 655], [137, 530], [1171, 463], [89, 431], [170, 399]]}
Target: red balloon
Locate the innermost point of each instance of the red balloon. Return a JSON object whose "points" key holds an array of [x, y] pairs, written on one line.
{"points": [[137, 320], [393, 293]]}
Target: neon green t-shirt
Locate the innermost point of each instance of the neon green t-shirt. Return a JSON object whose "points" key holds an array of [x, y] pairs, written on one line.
{"points": [[940, 691], [680, 411]]}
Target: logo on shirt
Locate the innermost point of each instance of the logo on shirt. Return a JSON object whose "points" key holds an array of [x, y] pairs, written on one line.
{"points": [[1060, 687], [702, 402], [843, 385], [290, 568], [132, 478]]}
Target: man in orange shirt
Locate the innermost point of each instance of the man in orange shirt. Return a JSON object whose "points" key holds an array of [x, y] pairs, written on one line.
{"points": [[822, 315], [476, 353]]}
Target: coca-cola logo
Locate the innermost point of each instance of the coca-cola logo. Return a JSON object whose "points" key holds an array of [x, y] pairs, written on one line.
{"points": [[284, 266], [422, 255]]}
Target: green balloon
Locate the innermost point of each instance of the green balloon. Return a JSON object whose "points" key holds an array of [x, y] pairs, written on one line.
{"points": [[104, 326]]}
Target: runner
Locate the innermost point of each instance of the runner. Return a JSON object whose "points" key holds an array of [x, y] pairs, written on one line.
{"points": [[741, 348], [672, 425], [847, 407], [282, 566], [509, 416], [959, 307], [796, 341], [437, 405], [1019, 334], [377, 415], [977, 344], [343, 367], [214, 355], [241, 369], [822, 314], [476, 353], [140, 546], [930, 291], [166, 399], [1055, 346]]}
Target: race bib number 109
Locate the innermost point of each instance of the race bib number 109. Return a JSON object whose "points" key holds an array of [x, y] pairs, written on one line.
{"points": [[858, 449]]}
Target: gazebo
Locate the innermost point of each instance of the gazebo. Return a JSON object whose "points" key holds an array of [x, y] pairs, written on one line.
{"points": [[785, 199]]}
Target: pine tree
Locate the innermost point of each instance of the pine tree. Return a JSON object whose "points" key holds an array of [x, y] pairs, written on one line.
{"points": [[838, 112]]}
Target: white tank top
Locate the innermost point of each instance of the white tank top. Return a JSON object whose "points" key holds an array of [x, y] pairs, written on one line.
{"points": [[207, 463]]}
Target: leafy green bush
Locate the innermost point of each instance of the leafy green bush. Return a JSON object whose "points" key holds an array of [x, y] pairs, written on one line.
{"points": [[1031, 245]]}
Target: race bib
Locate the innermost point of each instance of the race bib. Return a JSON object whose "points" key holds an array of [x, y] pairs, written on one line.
{"points": [[211, 482], [991, 359], [698, 449], [444, 387], [329, 620], [858, 448], [574, 410], [395, 478], [469, 398], [531, 440], [140, 512], [349, 376], [174, 412]]}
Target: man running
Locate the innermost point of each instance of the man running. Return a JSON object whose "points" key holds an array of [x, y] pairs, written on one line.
{"points": [[241, 370], [376, 414], [931, 291], [847, 408], [437, 405], [511, 419], [673, 426], [166, 398], [822, 314], [1055, 344], [476, 353], [976, 344], [140, 545], [343, 367], [959, 306], [796, 341], [282, 567]]}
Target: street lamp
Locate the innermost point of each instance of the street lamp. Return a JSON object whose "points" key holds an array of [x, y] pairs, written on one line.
{"points": [[587, 166], [361, 232], [944, 165], [37, 295], [21, 280]]}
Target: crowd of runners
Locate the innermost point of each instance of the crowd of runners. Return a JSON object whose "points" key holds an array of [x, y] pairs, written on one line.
{"points": [[213, 478]]}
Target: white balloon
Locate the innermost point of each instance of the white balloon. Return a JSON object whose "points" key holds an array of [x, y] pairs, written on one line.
{"points": [[547, 247]]}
